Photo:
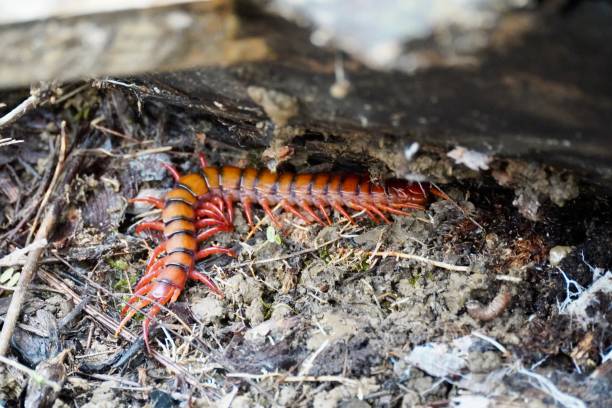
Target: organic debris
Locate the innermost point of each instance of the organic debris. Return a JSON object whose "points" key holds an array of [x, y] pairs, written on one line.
{"points": [[467, 302]]}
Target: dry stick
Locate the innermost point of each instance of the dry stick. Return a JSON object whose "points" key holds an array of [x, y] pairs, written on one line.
{"points": [[58, 169], [443, 265], [16, 257], [27, 274], [296, 378], [20, 110]]}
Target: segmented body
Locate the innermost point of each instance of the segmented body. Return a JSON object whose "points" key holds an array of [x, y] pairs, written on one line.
{"points": [[165, 277], [206, 199], [310, 191]]}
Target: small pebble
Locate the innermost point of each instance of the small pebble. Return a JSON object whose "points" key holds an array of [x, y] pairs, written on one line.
{"points": [[557, 253]]}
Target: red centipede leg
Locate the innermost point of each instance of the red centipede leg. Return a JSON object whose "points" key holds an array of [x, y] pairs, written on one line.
{"points": [[133, 310], [358, 207], [212, 208], [266, 207], [219, 203], [200, 277], [136, 296], [153, 311], [146, 279], [151, 274], [247, 204], [208, 222], [375, 210], [438, 193], [205, 253], [155, 202], [155, 226], [230, 210], [175, 174], [204, 212], [304, 204], [321, 206], [146, 324], [288, 207], [156, 252], [414, 206], [338, 207], [393, 210], [204, 235], [203, 162]]}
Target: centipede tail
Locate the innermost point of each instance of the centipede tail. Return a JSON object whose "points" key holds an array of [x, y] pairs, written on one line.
{"points": [[172, 262]]}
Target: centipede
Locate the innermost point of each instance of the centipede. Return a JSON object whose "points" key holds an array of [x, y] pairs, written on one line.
{"points": [[185, 223], [202, 205]]}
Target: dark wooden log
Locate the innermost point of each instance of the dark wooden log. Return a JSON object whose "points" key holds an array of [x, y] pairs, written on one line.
{"points": [[543, 94]]}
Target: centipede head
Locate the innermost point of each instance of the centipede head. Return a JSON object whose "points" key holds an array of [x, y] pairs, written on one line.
{"points": [[407, 194]]}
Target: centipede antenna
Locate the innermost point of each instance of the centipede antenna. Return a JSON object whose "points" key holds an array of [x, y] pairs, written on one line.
{"points": [[435, 190], [422, 189], [172, 170]]}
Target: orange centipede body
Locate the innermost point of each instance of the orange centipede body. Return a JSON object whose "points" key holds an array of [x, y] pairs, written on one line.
{"points": [[304, 194], [172, 262]]}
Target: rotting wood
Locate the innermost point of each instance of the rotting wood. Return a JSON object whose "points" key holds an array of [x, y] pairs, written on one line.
{"points": [[167, 38]]}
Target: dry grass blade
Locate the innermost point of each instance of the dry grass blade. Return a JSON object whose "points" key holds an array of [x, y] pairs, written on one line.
{"points": [[58, 169], [9, 141]]}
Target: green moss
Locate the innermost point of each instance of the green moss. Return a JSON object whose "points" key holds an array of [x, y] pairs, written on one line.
{"points": [[267, 309], [118, 264], [325, 255]]}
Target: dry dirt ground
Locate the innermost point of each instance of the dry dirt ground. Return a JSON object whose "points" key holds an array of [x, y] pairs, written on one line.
{"points": [[476, 304]]}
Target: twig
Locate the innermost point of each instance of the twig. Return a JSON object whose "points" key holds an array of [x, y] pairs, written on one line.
{"points": [[20, 110], [17, 256], [308, 363], [33, 374], [27, 273], [56, 174], [296, 378], [9, 141], [113, 132], [73, 313], [545, 385], [443, 265], [491, 341], [24, 214]]}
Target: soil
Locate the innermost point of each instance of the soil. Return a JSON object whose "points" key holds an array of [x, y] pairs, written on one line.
{"points": [[311, 316]]}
